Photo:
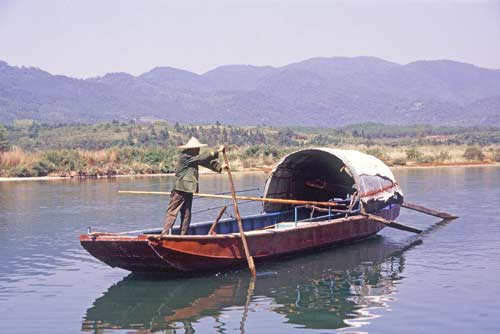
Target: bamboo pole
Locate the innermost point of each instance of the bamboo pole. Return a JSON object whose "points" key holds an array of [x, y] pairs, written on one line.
{"points": [[251, 264], [258, 199]]}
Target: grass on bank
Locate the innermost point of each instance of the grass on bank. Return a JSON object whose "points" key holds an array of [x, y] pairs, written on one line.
{"points": [[121, 161], [104, 149]]}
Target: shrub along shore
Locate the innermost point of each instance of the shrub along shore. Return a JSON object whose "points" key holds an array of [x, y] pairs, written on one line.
{"points": [[29, 149]]}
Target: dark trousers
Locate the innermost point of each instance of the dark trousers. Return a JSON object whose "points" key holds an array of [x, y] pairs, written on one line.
{"points": [[179, 201]]}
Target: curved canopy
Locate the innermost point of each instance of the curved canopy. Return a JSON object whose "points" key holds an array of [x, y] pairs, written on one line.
{"points": [[322, 174]]}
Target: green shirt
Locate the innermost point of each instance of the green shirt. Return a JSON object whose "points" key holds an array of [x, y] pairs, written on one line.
{"points": [[187, 169]]}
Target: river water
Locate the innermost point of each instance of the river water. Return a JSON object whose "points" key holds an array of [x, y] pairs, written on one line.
{"points": [[444, 281]]}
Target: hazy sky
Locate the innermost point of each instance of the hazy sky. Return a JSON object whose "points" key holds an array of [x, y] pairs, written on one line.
{"points": [[93, 37]]}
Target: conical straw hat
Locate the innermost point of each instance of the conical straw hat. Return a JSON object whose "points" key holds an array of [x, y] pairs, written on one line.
{"points": [[192, 143]]}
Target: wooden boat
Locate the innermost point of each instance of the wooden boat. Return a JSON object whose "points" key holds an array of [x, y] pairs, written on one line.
{"points": [[151, 304], [361, 185]]}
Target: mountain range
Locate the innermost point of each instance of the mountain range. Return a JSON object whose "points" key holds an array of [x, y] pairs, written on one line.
{"points": [[325, 92]]}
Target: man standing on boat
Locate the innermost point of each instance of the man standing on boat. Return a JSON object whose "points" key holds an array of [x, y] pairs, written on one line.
{"points": [[186, 184]]}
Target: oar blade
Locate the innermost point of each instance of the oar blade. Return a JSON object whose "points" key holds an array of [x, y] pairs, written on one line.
{"points": [[393, 224], [423, 209], [403, 227]]}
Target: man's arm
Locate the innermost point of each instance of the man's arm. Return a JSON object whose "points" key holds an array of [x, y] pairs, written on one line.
{"points": [[205, 158], [213, 165], [202, 158]]}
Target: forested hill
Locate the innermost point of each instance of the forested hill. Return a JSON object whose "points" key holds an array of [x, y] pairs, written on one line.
{"points": [[325, 92]]}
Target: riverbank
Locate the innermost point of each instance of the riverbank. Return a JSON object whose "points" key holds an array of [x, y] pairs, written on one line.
{"points": [[57, 178], [115, 149], [264, 170], [449, 165], [117, 162]]}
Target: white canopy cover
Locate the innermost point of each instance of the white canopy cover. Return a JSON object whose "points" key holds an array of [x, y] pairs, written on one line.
{"points": [[339, 172]]}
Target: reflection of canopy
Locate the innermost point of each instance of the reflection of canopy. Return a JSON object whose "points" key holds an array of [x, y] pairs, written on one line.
{"points": [[345, 171]]}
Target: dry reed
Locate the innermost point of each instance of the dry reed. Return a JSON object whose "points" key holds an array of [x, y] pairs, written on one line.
{"points": [[17, 157]]}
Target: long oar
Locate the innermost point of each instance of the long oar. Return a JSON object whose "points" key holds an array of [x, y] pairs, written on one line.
{"points": [[239, 191], [393, 224], [251, 264], [169, 193], [258, 199], [428, 211]]}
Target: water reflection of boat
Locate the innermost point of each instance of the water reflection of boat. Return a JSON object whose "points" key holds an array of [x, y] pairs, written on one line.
{"points": [[321, 291], [351, 182]]}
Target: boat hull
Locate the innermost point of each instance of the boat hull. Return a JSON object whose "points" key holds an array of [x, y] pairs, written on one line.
{"points": [[202, 253]]}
